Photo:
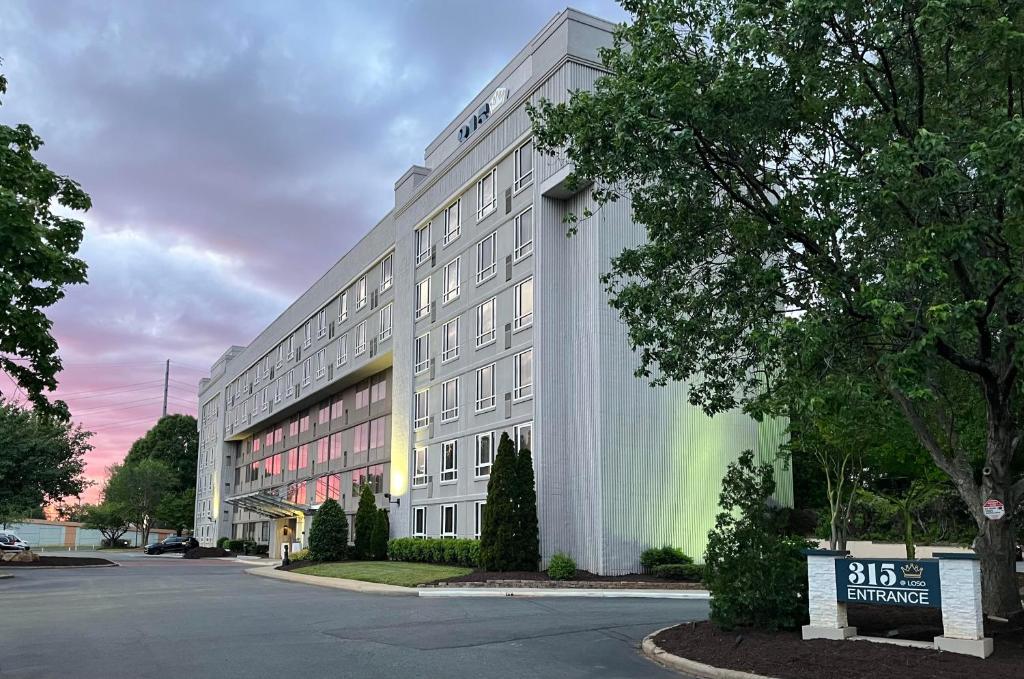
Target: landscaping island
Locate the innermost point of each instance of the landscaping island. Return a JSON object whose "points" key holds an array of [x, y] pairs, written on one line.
{"points": [[45, 561]]}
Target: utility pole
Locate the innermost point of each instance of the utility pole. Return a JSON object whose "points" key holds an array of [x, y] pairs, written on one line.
{"points": [[167, 375]]}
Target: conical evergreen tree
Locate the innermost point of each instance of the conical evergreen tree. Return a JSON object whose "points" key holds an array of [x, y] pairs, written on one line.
{"points": [[497, 535], [328, 536], [379, 537], [366, 519], [527, 530]]}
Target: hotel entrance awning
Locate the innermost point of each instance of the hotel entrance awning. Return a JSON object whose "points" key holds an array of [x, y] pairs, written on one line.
{"points": [[268, 504]]}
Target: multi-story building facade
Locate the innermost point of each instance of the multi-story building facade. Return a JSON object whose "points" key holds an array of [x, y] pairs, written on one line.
{"points": [[464, 314]]}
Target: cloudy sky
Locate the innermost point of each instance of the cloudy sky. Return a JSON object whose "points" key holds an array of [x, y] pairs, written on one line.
{"points": [[209, 134]]}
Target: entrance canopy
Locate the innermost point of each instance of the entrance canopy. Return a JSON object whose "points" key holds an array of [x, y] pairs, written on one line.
{"points": [[268, 504]]}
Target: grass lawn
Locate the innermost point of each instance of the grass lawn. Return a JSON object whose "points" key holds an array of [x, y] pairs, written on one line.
{"points": [[405, 574]]}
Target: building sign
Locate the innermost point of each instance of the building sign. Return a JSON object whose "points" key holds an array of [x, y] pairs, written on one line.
{"points": [[889, 582], [483, 113]]}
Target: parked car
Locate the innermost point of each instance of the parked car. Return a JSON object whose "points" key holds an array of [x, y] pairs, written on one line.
{"points": [[11, 541], [172, 544]]}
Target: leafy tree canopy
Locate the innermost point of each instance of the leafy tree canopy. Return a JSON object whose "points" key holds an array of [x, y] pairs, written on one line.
{"points": [[138, 488]]}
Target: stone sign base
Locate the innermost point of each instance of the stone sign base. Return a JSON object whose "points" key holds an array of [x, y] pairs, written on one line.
{"points": [[979, 648], [833, 633], [19, 556]]}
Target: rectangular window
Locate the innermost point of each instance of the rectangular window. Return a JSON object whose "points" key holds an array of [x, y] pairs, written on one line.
{"points": [[523, 385], [387, 272], [291, 348], [361, 437], [486, 198], [259, 374], [421, 354], [452, 221], [280, 355], [334, 448], [361, 293], [419, 468], [524, 234], [337, 407], [377, 432], [378, 389], [421, 409], [293, 459], [485, 388], [422, 244], [343, 349], [450, 400], [290, 383], [452, 282], [293, 428], [303, 456], [486, 258], [304, 423], [419, 522], [277, 390], [449, 520], [321, 322], [523, 305], [386, 322], [306, 378], [307, 334], [343, 307], [478, 523], [363, 395], [484, 454], [450, 340], [523, 436], [449, 461], [321, 363], [485, 322], [324, 413], [423, 298], [360, 338], [358, 481], [524, 166]]}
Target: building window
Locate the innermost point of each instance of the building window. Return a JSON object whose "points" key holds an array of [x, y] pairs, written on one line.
{"points": [[280, 355], [324, 413], [419, 522], [386, 320], [524, 166], [486, 198], [277, 390], [337, 407], [307, 334], [524, 234], [523, 385], [361, 293], [363, 396], [449, 461], [259, 374], [360, 338], [423, 298], [478, 522], [523, 305], [303, 456], [449, 520], [421, 409], [452, 221], [305, 372], [387, 272], [421, 354], [419, 468], [304, 423], [485, 322], [422, 244], [293, 428], [486, 258], [321, 363], [522, 435], [343, 307], [450, 340], [484, 454], [378, 389], [293, 459], [485, 388], [377, 432], [450, 400], [291, 349], [452, 276], [343, 349], [321, 322]]}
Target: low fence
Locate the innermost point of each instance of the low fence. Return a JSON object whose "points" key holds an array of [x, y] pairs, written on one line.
{"points": [[71, 535]]}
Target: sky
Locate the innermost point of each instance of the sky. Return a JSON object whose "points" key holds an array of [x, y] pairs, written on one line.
{"points": [[210, 134]]}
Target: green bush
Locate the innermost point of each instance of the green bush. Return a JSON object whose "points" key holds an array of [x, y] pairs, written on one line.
{"points": [[658, 556], [379, 536], [328, 536], [366, 519], [562, 567], [435, 550], [261, 550], [236, 546], [756, 574], [249, 546], [686, 572], [301, 555], [223, 543]]}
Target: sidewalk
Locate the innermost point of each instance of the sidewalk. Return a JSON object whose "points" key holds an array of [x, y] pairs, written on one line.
{"points": [[335, 583]]}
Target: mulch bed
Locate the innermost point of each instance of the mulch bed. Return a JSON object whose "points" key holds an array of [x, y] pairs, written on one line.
{"points": [[785, 655], [58, 561]]}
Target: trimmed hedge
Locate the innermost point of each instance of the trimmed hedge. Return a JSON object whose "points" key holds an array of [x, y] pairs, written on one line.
{"points": [[658, 556], [204, 552], [223, 542], [301, 555], [236, 546], [562, 567], [687, 572], [453, 552]]}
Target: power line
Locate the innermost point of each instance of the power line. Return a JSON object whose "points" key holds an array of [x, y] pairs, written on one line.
{"points": [[119, 406], [102, 391]]}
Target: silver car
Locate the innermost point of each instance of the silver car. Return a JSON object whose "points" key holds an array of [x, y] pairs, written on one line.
{"points": [[10, 541]]}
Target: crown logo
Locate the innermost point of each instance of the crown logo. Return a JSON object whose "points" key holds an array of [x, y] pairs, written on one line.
{"points": [[912, 571]]}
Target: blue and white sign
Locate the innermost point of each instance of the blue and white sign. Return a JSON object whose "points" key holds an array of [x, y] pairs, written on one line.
{"points": [[889, 582]]}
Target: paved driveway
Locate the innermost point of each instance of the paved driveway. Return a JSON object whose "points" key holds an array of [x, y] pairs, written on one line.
{"points": [[178, 618]]}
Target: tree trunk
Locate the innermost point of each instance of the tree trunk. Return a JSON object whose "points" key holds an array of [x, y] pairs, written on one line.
{"points": [[908, 531], [996, 547]]}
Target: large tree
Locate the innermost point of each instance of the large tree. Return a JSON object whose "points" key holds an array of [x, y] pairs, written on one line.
{"points": [[42, 460], [37, 260], [499, 549], [109, 518], [139, 487], [825, 175], [174, 441]]}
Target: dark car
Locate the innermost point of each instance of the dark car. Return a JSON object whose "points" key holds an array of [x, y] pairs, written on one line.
{"points": [[172, 544]]}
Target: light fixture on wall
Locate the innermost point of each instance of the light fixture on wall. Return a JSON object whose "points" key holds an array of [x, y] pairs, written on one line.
{"points": [[387, 496]]}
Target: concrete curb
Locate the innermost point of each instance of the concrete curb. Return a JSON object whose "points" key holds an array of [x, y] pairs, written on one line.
{"points": [[460, 592], [5, 576], [334, 583], [690, 667]]}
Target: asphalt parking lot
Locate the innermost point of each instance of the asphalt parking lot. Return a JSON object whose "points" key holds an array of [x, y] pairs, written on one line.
{"points": [[160, 617]]}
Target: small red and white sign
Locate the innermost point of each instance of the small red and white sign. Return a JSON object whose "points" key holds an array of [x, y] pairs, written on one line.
{"points": [[993, 509]]}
